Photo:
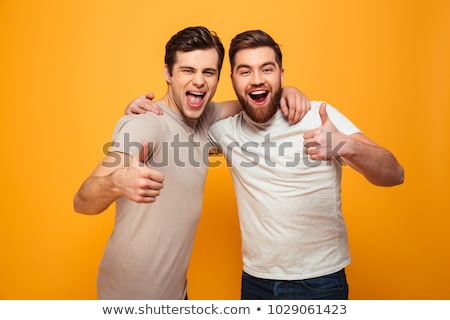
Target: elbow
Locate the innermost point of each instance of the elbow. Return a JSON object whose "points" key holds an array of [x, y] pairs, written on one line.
{"points": [[78, 205], [396, 178], [400, 176]]}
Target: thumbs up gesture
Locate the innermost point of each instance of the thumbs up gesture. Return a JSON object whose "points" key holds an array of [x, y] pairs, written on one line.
{"points": [[324, 142], [138, 182]]}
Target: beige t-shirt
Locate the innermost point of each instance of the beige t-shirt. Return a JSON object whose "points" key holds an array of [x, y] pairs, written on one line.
{"points": [[289, 206], [148, 253]]}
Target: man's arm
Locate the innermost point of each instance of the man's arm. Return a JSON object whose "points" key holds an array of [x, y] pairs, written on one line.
{"points": [[294, 105], [376, 163], [118, 175]]}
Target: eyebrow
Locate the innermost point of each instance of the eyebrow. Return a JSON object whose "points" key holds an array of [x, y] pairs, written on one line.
{"points": [[193, 68], [268, 63]]}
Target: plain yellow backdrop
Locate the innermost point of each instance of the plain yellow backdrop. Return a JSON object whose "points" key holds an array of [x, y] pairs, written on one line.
{"points": [[68, 69]]}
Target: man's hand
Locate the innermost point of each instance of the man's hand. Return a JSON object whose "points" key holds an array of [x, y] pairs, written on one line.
{"points": [[143, 104], [376, 163], [138, 182], [325, 142], [294, 104]]}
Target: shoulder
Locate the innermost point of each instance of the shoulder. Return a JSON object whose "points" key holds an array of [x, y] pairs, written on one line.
{"points": [[211, 114], [315, 106], [225, 129], [342, 123], [331, 110], [138, 119], [228, 122], [137, 122], [144, 126]]}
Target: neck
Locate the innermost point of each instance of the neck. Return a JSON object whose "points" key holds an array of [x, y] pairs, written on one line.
{"points": [[168, 101]]}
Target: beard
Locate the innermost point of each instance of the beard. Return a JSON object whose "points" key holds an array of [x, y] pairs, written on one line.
{"points": [[261, 114]]}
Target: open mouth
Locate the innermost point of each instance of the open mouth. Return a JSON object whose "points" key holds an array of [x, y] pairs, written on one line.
{"points": [[259, 96], [195, 99]]}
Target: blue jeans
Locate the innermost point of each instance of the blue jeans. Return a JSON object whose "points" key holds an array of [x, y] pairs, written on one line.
{"points": [[330, 287]]}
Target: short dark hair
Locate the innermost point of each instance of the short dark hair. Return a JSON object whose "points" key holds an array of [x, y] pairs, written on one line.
{"points": [[254, 39], [190, 39]]}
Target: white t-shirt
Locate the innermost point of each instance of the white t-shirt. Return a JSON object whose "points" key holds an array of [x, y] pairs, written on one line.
{"points": [[289, 206]]}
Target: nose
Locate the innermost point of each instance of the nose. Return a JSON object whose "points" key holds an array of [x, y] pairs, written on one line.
{"points": [[198, 79], [258, 78]]}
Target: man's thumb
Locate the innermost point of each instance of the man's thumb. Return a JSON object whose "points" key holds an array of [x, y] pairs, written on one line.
{"points": [[323, 113]]}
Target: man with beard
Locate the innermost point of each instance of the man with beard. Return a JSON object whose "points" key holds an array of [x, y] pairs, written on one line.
{"points": [[287, 180]]}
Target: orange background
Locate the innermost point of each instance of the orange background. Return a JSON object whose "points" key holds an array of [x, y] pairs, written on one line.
{"points": [[68, 69]]}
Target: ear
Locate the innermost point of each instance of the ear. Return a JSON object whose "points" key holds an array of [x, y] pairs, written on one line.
{"points": [[167, 75], [282, 76], [232, 82]]}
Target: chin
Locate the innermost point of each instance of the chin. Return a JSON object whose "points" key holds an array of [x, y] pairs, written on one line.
{"points": [[260, 114], [193, 114]]}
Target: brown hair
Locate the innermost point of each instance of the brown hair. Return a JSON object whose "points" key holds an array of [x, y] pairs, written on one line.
{"points": [[190, 39], [254, 39]]}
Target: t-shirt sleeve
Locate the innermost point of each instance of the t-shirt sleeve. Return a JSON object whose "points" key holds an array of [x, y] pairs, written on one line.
{"points": [[133, 130], [211, 117], [214, 131], [341, 122], [213, 111]]}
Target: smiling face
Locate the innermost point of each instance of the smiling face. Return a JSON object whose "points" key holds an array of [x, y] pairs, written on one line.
{"points": [[257, 80], [192, 82]]}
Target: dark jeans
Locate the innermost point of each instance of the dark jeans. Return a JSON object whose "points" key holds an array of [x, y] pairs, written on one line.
{"points": [[330, 287]]}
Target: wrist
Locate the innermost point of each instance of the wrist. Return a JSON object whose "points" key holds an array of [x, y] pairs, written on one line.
{"points": [[115, 181], [347, 151]]}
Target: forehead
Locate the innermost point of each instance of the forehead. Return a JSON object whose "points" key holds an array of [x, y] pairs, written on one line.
{"points": [[254, 56], [198, 59]]}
